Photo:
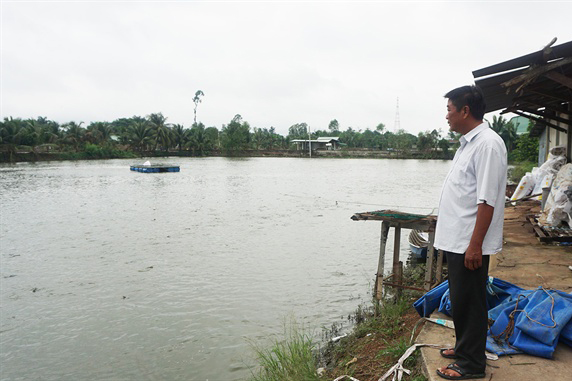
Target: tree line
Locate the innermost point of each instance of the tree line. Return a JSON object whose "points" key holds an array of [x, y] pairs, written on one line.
{"points": [[152, 134]]}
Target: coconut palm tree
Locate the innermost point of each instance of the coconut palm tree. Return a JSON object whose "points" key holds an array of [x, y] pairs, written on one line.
{"points": [[99, 133], [11, 133], [199, 140], [506, 131], [180, 136], [140, 134], [161, 130], [74, 134]]}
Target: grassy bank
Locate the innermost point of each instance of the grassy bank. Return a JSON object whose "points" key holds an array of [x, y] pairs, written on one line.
{"points": [[382, 332]]}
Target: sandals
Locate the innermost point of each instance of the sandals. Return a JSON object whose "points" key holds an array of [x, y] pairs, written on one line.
{"points": [[442, 351], [463, 375]]}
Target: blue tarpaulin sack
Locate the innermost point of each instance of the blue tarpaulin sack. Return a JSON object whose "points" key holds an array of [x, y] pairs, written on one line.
{"points": [[426, 304], [445, 306], [498, 291], [566, 334], [533, 322]]}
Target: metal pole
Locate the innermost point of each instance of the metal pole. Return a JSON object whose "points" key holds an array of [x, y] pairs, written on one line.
{"points": [[309, 141]]}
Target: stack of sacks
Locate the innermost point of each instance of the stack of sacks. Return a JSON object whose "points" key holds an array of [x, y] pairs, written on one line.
{"points": [[558, 206], [533, 182]]}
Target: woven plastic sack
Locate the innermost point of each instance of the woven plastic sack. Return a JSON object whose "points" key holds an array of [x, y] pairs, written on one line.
{"points": [[524, 187], [558, 204]]}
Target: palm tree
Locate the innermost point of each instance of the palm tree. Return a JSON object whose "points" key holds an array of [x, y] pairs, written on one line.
{"points": [[11, 133], [74, 134], [180, 135], [257, 138], [161, 130], [99, 133], [140, 134], [199, 141], [506, 131]]}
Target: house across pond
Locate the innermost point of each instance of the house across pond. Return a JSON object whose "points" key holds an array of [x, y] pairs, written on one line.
{"points": [[321, 143]]}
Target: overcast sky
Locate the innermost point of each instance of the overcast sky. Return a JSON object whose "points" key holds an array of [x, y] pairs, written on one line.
{"points": [[274, 63]]}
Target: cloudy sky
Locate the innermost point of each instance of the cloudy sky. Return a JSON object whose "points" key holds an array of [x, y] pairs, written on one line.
{"points": [[276, 63]]}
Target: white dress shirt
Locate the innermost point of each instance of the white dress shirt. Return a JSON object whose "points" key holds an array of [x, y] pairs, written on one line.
{"points": [[478, 175]]}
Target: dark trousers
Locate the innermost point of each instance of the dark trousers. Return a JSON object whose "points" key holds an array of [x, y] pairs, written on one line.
{"points": [[468, 293]]}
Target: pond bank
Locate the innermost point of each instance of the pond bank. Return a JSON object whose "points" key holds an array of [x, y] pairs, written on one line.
{"points": [[524, 261], [7, 157]]}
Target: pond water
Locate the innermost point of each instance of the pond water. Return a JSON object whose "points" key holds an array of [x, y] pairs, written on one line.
{"points": [[107, 273]]}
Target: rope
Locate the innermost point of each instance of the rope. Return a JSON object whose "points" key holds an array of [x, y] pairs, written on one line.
{"points": [[509, 330]]}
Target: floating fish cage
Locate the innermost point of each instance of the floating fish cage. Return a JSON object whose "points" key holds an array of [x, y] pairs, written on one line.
{"points": [[148, 168]]}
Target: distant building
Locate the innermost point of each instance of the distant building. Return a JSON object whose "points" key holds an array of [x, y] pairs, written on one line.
{"points": [[520, 123], [321, 143]]}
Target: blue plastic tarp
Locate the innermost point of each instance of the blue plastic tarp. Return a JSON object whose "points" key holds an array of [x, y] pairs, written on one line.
{"points": [[429, 302], [524, 321], [533, 322], [498, 290]]}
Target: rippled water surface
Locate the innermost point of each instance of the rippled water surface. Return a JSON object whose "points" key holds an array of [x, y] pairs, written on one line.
{"points": [[111, 274]]}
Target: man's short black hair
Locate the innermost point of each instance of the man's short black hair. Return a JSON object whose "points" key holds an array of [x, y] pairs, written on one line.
{"points": [[471, 96]]}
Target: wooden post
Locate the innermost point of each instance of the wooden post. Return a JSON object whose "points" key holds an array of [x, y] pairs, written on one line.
{"points": [[380, 265], [396, 251], [429, 262], [399, 290], [439, 270]]}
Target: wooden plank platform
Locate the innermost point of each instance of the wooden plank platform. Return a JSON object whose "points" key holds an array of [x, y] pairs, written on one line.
{"points": [[400, 220], [550, 235]]}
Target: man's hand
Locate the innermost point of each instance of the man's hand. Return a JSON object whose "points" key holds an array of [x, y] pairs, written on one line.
{"points": [[474, 253], [474, 257]]}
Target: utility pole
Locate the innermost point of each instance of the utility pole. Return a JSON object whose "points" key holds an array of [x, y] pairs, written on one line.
{"points": [[309, 141]]}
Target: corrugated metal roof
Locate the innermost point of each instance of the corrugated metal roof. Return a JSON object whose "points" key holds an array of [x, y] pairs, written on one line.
{"points": [[536, 85]]}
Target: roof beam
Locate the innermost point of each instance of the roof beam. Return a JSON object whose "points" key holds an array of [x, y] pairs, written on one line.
{"points": [[535, 102], [539, 120], [553, 96], [541, 114], [532, 73], [559, 78]]}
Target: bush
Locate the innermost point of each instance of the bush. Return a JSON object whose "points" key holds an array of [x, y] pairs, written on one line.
{"points": [[526, 149], [519, 170]]}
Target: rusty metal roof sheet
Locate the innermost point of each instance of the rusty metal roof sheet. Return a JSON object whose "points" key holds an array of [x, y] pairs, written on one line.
{"points": [[537, 85]]}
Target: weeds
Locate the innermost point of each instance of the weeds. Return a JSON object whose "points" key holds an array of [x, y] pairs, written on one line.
{"points": [[291, 359], [380, 336]]}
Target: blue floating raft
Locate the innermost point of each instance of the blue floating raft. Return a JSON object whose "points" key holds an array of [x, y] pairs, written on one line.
{"points": [[143, 168]]}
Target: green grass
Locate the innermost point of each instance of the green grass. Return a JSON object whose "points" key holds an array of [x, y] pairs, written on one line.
{"points": [[290, 359], [296, 356]]}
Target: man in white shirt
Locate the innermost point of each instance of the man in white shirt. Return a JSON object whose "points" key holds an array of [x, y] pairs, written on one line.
{"points": [[469, 227]]}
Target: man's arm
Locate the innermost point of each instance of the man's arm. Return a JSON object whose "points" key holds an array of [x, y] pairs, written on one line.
{"points": [[474, 253]]}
